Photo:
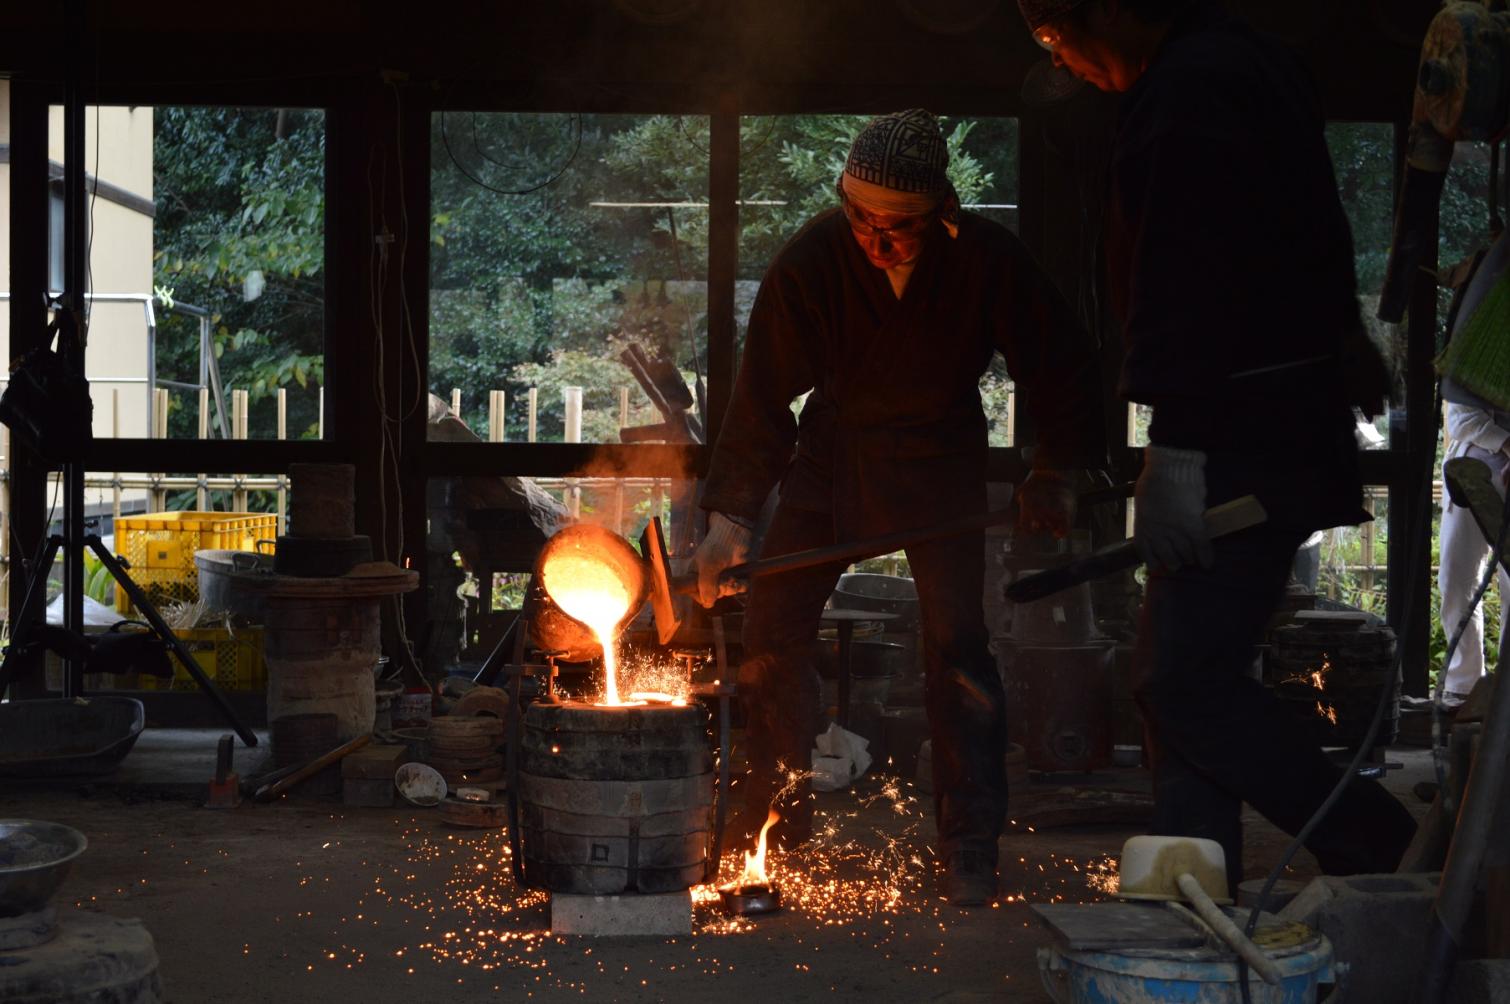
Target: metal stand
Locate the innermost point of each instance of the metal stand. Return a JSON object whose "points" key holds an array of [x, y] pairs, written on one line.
{"points": [[723, 688], [36, 591]]}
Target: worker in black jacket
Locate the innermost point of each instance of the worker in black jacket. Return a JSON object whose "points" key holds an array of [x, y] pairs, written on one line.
{"points": [[888, 309], [1230, 264]]}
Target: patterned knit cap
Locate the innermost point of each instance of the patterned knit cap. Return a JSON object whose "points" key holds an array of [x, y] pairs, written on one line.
{"points": [[904, 152], [1037, 13]]}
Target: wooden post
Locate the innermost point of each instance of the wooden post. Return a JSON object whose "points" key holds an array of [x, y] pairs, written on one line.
{"points": [[160, 404], [572, 398], [534, 411], [320, 418], [282, 479], [1012, 417], [202, 496], [1366, 549], [115, 477], [456, 402], [240, 410], [497, 427]]}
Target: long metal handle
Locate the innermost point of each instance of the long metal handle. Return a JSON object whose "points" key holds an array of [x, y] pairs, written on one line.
{"points": [[885, 543], [1229, 517]]}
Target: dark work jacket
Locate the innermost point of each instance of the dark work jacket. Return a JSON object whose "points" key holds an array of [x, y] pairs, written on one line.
{"points": [[1231, 268], [893, 435]]}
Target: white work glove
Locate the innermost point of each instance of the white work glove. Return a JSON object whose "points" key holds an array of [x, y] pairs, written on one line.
{"points": [[726, 544], [1169, 525]]}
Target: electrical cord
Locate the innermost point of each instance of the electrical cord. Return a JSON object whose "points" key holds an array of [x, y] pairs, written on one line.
{"points": [[1386, 692]]}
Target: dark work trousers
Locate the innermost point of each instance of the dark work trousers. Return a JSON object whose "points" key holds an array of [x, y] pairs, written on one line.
{"points": [[1219, 739], [778, 685]]}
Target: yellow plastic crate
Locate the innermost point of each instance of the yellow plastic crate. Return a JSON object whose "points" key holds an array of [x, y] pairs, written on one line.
{"points": [[233, 659], [159, 548]]}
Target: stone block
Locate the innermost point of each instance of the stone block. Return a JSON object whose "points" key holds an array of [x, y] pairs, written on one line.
{"points": [[1377, 926], [367, 792], [374, 762], [645, 915]]}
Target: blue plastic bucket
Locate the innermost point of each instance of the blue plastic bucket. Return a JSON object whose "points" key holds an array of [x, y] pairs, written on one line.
{"points": [[1182, 976]]}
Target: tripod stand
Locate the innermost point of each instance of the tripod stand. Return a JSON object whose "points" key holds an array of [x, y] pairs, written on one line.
{"points": [[36, 592]]}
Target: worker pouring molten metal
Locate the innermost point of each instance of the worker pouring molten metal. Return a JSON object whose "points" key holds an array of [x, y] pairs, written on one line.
{"points": [[888, 308]]}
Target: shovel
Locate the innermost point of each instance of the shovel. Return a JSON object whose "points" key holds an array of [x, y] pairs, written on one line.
{"points": [[1171, 869]]}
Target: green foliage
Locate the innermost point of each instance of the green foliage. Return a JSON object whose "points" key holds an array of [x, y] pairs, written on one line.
{"points": [[798, 159], [240, 231], [98, 584], [526, 287]]}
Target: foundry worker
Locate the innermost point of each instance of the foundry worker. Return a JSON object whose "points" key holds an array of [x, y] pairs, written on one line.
{"points": [[1231, 270], [888, 308]]}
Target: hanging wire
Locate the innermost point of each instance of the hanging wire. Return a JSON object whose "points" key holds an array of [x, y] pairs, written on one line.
{"points": [[445, 140], [1496, 222]]}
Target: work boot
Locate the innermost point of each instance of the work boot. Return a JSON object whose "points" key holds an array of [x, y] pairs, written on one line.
{"points": [[969, 878]]}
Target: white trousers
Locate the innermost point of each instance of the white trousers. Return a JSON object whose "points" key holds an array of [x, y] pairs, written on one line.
{"points": [[1461, 566]]}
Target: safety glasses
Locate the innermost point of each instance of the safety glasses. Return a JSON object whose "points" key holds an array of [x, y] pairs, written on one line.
{"points": [[910, 229]]}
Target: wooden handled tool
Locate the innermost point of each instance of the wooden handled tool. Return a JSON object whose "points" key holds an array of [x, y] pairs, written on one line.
{"points": [[273, 789], [1229, 517]]}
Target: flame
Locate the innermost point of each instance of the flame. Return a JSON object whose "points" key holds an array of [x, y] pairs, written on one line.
{"points": [[754, 873], [592, 592], [1327, 711]]}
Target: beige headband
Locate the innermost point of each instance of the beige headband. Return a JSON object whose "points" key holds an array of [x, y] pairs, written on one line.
{"points": [[879, 199]]}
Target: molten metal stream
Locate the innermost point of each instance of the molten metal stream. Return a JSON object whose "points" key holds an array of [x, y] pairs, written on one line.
{"points": [[593, 593]]}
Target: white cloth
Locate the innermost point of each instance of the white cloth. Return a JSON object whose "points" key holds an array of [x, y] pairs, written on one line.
{"points": [[839, 757], [1464, 550], [1169, 519]]}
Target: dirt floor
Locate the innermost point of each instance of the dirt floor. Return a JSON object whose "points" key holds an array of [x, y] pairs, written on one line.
{"points": [[309, 901]]}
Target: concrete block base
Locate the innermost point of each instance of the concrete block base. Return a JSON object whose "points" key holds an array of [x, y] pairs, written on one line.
{"points": [[1376, 924], [659, 915], [1481, 981], [366, 792]]}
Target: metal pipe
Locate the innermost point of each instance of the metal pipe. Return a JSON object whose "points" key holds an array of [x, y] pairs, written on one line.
{"points": [[73, 336]]}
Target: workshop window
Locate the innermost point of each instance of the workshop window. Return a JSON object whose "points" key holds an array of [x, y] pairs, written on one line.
{"points": [[205, 269], [788, 166], [568, 267]]}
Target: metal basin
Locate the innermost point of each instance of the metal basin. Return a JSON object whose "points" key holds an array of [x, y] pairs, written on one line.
{"points": [[50, 738], [892, 594], [35, 857]]}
